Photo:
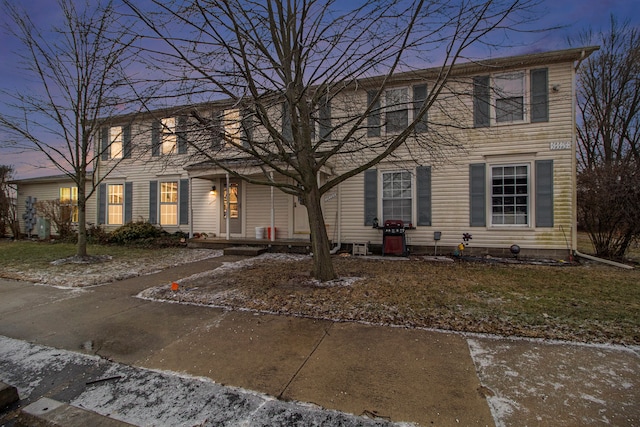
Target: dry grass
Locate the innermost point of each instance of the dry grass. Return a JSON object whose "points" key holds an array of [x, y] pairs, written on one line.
{"points": [[584, 303]]}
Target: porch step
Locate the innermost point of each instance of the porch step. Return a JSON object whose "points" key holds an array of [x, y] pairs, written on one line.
{"points": [[245, 250]]}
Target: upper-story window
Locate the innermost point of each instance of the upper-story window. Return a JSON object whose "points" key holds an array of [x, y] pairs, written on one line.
{"points": [[509, 94], [115, 142], [232, 126], [401, 107], [396, 110], [169, 136], [503, 98], [115, 149], [169, 139]]}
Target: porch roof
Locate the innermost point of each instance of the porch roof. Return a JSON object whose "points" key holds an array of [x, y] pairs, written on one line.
{"points": [[243, 166]]}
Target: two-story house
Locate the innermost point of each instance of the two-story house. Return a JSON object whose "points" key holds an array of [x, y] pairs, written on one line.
{"points": [[503, 167]]}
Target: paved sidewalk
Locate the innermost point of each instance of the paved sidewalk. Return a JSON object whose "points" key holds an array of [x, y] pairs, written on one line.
{"points": [[426, 377]]}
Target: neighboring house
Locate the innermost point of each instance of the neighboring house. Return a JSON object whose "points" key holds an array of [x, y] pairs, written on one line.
{"points": [[512, 182], [50, 188]]}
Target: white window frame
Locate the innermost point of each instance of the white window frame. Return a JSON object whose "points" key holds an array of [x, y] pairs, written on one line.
{"points": [[168, 136], [169, 208], [232, 125], [497, 93], [115, 204], [507, 195], [386, 194], [70, 201], [398, 105], [116, 138]]}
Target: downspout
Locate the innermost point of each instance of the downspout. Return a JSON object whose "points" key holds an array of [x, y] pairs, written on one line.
{"points": [[574, 161], [228, 207], [190, 207], [273, 213], [604, 261], [338, 224]]}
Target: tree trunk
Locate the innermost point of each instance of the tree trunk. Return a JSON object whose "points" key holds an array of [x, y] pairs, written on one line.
{"points": [[81, 246], [322, 264]]}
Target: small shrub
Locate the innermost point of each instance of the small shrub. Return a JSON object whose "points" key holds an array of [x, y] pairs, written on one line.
{"points": [[96, 235], [134, 232]]}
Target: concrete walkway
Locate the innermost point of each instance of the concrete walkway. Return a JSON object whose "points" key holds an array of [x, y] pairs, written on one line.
{"points": [[426, 377]]}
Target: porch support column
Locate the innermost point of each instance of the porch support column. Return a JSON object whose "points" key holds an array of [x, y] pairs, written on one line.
{"points": [[228, 207], [273, 212]]}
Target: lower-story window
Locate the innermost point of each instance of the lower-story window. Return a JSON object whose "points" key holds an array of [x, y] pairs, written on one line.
{"points": [[115, 203], [169, 203], [69, 203], [510, 195], [396, 196]]}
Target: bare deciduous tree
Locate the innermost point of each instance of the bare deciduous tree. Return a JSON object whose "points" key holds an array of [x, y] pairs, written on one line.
{"points": [[8, 212], [78, 69], [609, 139], [294, 69]]}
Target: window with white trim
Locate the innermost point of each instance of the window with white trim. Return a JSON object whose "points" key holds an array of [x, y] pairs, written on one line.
{"points": [[116, 146], [397, 196], [510, 198], [115, 204], [396, 110], [169, 203], [69, 203], [169, 140], [509, 95]]}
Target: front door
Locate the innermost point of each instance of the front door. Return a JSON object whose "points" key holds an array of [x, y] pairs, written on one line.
{"points": [[233, 208]]}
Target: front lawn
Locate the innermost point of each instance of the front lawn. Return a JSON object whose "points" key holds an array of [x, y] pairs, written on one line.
{"points": [[588, 303]]}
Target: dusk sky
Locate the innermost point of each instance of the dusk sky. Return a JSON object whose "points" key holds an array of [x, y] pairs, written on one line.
{"points": [[574, 16]]}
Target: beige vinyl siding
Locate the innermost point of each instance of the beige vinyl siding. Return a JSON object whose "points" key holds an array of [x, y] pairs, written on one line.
{"points": [[503, 144], [48, 189], [257, 211], [140, 169], [205, 207]]}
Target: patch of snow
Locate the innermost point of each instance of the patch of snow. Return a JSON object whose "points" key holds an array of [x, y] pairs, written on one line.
{"points": [[162, 398]]}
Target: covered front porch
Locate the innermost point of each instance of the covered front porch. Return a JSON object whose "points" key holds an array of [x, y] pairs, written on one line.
{"points": [[280, 245], [227, 210]]}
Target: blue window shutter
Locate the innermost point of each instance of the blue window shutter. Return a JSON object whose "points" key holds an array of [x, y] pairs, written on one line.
{"points": [[155, 138], [325, 118], [539, 95], [287, 131], [544, 193], [419, 98], [104, 143], [128, 202], [373, 119], [126, 130], [247, 127], [184, 201], [477, 195], [181, 132], [370, 196], [481, 101], [102, 203], [153, 202], [423, 190], [216, 131]]}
